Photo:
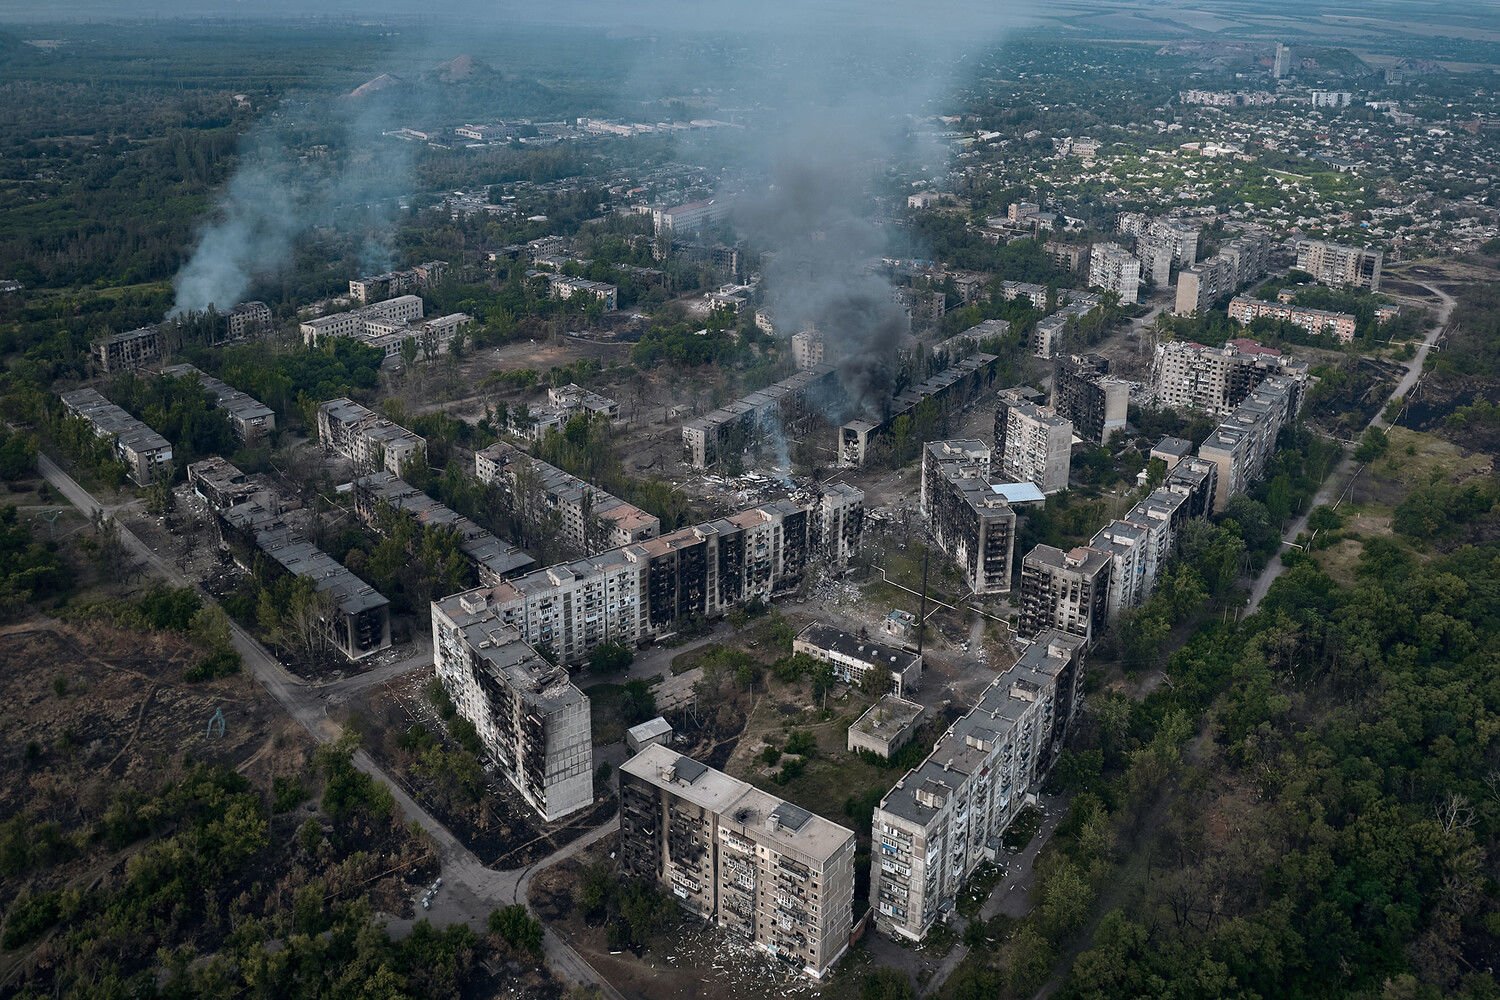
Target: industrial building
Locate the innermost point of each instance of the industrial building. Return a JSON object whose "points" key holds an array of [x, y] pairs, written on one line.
{"points": [[587, 518], [967, 515], [853, 656], [1112, 268], [1319, 322], [493, 559], [1214, 380], [248, 416], [1084, 393], [1238, 262], [146, 454], [1032, 444], [951, 390], [1068, 591], [646, 590], [251, 524], [743, 424], [534, 723], [768, 872], [120, 352], [947, 815], [367, 439], [376, 287], [1336, 264]]}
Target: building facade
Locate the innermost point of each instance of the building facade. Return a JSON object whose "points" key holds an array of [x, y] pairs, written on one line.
{"points": [[121, 352], [534, 723], [951, 389], [1067, 591], [1033, 445], [1214, 380], [1319, 322], [367, 439], [1337, 264], [375, 287], [946, 816], [743, 424], [1241, 260], [246, 320], [1112, 268], [766, 871], [493, 558], [1241, 446], [1084, 393]]}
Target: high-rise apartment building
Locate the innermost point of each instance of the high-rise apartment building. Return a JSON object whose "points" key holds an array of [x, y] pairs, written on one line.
{"points": [[1068, 591], [1241, 260], [968, 518], [1084, 393], [1282, 62], [1166, 245], [1336, 264], [807, 349], [1033, 445], [1112, 268], [764, 870], [1245, 441], [534, 723], [1215, 379], [946, 816]]}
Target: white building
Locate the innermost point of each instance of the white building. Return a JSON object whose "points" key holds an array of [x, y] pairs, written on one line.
{"points": [[1112, 268], [1188, 376], [1036, 445], [366, 438]]}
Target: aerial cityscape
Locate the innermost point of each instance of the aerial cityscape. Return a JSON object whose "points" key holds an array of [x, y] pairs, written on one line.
{"points": [[845, 499]]}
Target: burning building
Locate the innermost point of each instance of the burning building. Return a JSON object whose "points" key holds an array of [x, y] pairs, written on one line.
{"points": [[949, 390]]}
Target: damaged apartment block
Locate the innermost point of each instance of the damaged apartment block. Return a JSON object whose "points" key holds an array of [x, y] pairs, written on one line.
{"points": [[534, 723], [783, 407], [766, 871], [950, 390], [381, 495], [969, 516]]}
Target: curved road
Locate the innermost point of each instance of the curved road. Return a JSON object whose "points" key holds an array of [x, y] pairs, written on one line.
{"points": [[470, 889], [1337, 482]]}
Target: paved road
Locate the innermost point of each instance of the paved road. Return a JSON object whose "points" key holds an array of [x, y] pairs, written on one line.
{"points": [[470, 890], [1337, 482]]}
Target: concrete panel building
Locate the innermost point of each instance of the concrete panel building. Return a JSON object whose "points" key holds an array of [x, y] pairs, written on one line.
{"points": [[250, 418], [588, 519], [493, 558], [1067, 591], [1238, 262], [534, 723], [946, 816], [951, 389], [1319, 322], [373, 288], [246, 320], [146, 454], [120, 352], [1033, 445], [1241, 446], [643, 591], [1084, 393], [1337, 264], [853, 656], [367, 439], [1112, 268], [1214, 380], [764, 870], [967, 513], [743, 424], [807, 349]]}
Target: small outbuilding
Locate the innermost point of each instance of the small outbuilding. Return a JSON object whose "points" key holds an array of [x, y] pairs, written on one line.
{"points": [[652, 731]]}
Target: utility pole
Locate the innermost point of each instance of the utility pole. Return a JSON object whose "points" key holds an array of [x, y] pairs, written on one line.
{"points": [[922, 613]]}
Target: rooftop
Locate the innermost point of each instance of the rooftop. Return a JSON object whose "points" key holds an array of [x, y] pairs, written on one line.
{"points": [[836, 641], [888, 716]]}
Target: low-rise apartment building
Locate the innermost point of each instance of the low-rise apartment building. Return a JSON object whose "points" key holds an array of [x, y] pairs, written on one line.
{"points": [[951, 389], [248, 416], [766, 871], [743, 424], [1319, 322], [146, 454], [534, 723], [120, 352], [373, 288], [853, 656], [587, 518], [367, 439], [946, 816], [246, 320], [493, 558]]}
